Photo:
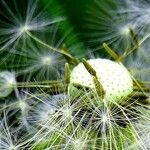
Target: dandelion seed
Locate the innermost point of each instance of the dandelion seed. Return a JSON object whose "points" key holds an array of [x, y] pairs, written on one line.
{"points": [[15, 29], [10, 139], [138, 13], [36, 62], [7, 83], [138, 63], [143, 128], [47, 111], [106, 25]]}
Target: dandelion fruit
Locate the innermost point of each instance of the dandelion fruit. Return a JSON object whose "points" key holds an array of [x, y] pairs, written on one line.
{"points": [[67, 73]]}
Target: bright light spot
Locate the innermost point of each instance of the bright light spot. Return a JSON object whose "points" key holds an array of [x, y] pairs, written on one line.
{"points": [[125, 30], [8, 78], [24, 28], [22, 104], [11, 82], [104, 118], [13, 148], [46, 60], [77, 143], [46, 113], [67, 112]]}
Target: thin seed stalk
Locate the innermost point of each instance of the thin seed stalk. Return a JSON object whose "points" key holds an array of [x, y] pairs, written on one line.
{"points": [[68, 56]]}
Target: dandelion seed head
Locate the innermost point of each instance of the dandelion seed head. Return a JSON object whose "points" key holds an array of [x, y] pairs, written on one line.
{"points": [[138, 13], [108, 26], [40, 62], [11, 138], [49, 110], [31, 20]]}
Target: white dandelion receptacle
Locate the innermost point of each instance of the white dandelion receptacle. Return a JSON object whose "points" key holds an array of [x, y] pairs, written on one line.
{"points": [[114, 77]]}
